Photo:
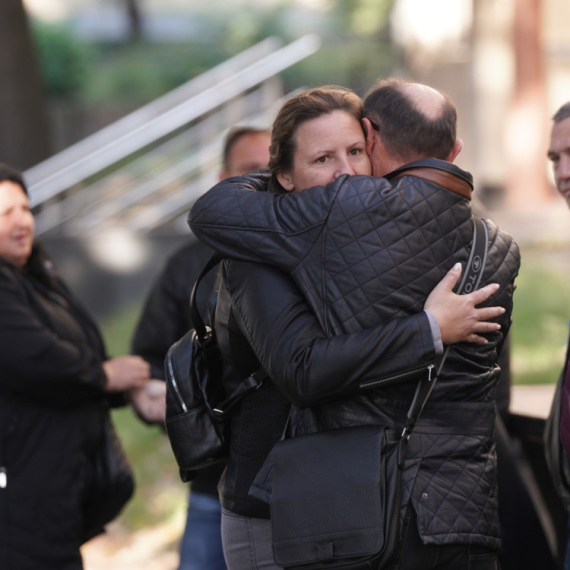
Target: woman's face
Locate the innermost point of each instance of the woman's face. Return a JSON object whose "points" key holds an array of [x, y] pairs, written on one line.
{"points": [[16, 224], [326, 147]]}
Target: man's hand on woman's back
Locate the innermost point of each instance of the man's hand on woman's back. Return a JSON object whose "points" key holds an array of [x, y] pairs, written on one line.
{"points": [[458, 318]]}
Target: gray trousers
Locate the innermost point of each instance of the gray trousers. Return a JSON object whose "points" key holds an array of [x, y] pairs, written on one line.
{"points": [[247, 543]]}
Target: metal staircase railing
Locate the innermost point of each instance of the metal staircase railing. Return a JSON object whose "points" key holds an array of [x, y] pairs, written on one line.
{"points": [[148, 167]]}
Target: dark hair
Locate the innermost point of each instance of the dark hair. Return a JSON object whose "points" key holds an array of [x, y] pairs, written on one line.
{"points": [[562, 113], [233, 136], [406, 132], [9, 174], [310, 104]]}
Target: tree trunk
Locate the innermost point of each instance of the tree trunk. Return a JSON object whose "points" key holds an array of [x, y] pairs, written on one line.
{"points": [[134, 15], [24, 139], [526, 128]]}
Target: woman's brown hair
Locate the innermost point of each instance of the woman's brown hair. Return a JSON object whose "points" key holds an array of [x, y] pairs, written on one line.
{"points": [[303, 107]]}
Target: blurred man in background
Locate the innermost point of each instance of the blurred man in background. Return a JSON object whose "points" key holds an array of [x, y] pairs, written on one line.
{"points": [[166, 318], [559, 151], [559, 155]]}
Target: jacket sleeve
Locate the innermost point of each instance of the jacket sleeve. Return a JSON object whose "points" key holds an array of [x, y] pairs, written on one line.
{"points": [[308, 367], [163, 321], [165, 318], [240, 222], [35, 361], [166, 314]]}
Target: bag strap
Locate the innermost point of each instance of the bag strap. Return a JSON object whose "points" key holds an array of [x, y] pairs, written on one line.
{"points": [[206, 339], [197, 321], [252, 382], [470, 282]]}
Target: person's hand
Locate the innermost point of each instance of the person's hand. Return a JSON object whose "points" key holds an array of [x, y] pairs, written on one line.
{"points": [[458, 319], [125, 373], [149, 401]]}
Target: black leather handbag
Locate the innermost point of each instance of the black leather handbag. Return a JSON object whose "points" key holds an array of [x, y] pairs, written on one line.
{"points": [[336, 495], [111, 482], [196, 405]]}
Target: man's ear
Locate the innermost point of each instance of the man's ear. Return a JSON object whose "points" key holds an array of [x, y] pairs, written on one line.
{"points": [[284, 178], [455, 150], [370, 135]]}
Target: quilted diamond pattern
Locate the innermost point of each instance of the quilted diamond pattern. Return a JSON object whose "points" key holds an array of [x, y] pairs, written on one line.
{"points": [[452, 468], [363, 251]]}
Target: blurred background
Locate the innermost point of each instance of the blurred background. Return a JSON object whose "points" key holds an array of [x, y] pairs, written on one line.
{"points": [[117, 109]]}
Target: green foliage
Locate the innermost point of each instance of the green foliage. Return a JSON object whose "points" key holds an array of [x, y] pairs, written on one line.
{"points": [[159, 495], [355, 51], [63, 60], [118, 330], [370, 16], [362, 17], [140, 72], [540, 315], [344, 63], [355, 47]]}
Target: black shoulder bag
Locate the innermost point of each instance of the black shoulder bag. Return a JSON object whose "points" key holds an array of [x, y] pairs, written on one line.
{"points": [[337, 494], [196, 405], [112, 482]]}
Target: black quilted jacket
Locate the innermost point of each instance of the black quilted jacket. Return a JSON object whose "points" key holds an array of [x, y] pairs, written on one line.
{"points": [[365, 250]]}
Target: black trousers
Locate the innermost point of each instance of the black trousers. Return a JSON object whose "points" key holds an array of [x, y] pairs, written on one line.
{"points": [[413, 554]]}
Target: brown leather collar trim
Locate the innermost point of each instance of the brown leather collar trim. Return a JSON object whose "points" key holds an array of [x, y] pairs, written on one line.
{"points": [[442, 178]]}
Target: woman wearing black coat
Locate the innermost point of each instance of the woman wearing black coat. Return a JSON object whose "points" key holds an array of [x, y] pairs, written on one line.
{"points": [[56, 386]]}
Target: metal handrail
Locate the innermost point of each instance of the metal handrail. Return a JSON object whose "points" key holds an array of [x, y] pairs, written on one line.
{"points": [[48, 179], [180, 202], [117, 130], [81, 215]]}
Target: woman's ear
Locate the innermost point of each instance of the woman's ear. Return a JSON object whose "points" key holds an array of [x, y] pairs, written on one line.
{"points": [[284, 178]]}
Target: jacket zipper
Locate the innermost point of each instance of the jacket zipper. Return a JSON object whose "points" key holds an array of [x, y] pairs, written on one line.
{"points": [[174, 384], [396, 377]]}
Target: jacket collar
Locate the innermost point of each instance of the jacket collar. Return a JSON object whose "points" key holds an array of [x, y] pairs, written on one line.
{"points": [[440, 172]]}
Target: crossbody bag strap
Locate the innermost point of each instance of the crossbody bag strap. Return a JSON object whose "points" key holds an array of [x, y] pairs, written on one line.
{"points": [[470, 282]]}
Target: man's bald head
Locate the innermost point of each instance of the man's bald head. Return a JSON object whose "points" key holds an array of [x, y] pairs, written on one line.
{"points": [[425, 100], [413, 120]]}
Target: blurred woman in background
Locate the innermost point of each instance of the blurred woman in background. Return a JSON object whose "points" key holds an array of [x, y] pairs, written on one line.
{"points": [[56, 387]]}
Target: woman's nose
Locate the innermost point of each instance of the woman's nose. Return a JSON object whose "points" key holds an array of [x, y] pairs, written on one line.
{"points": [[344, 168], [24, 218]]}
